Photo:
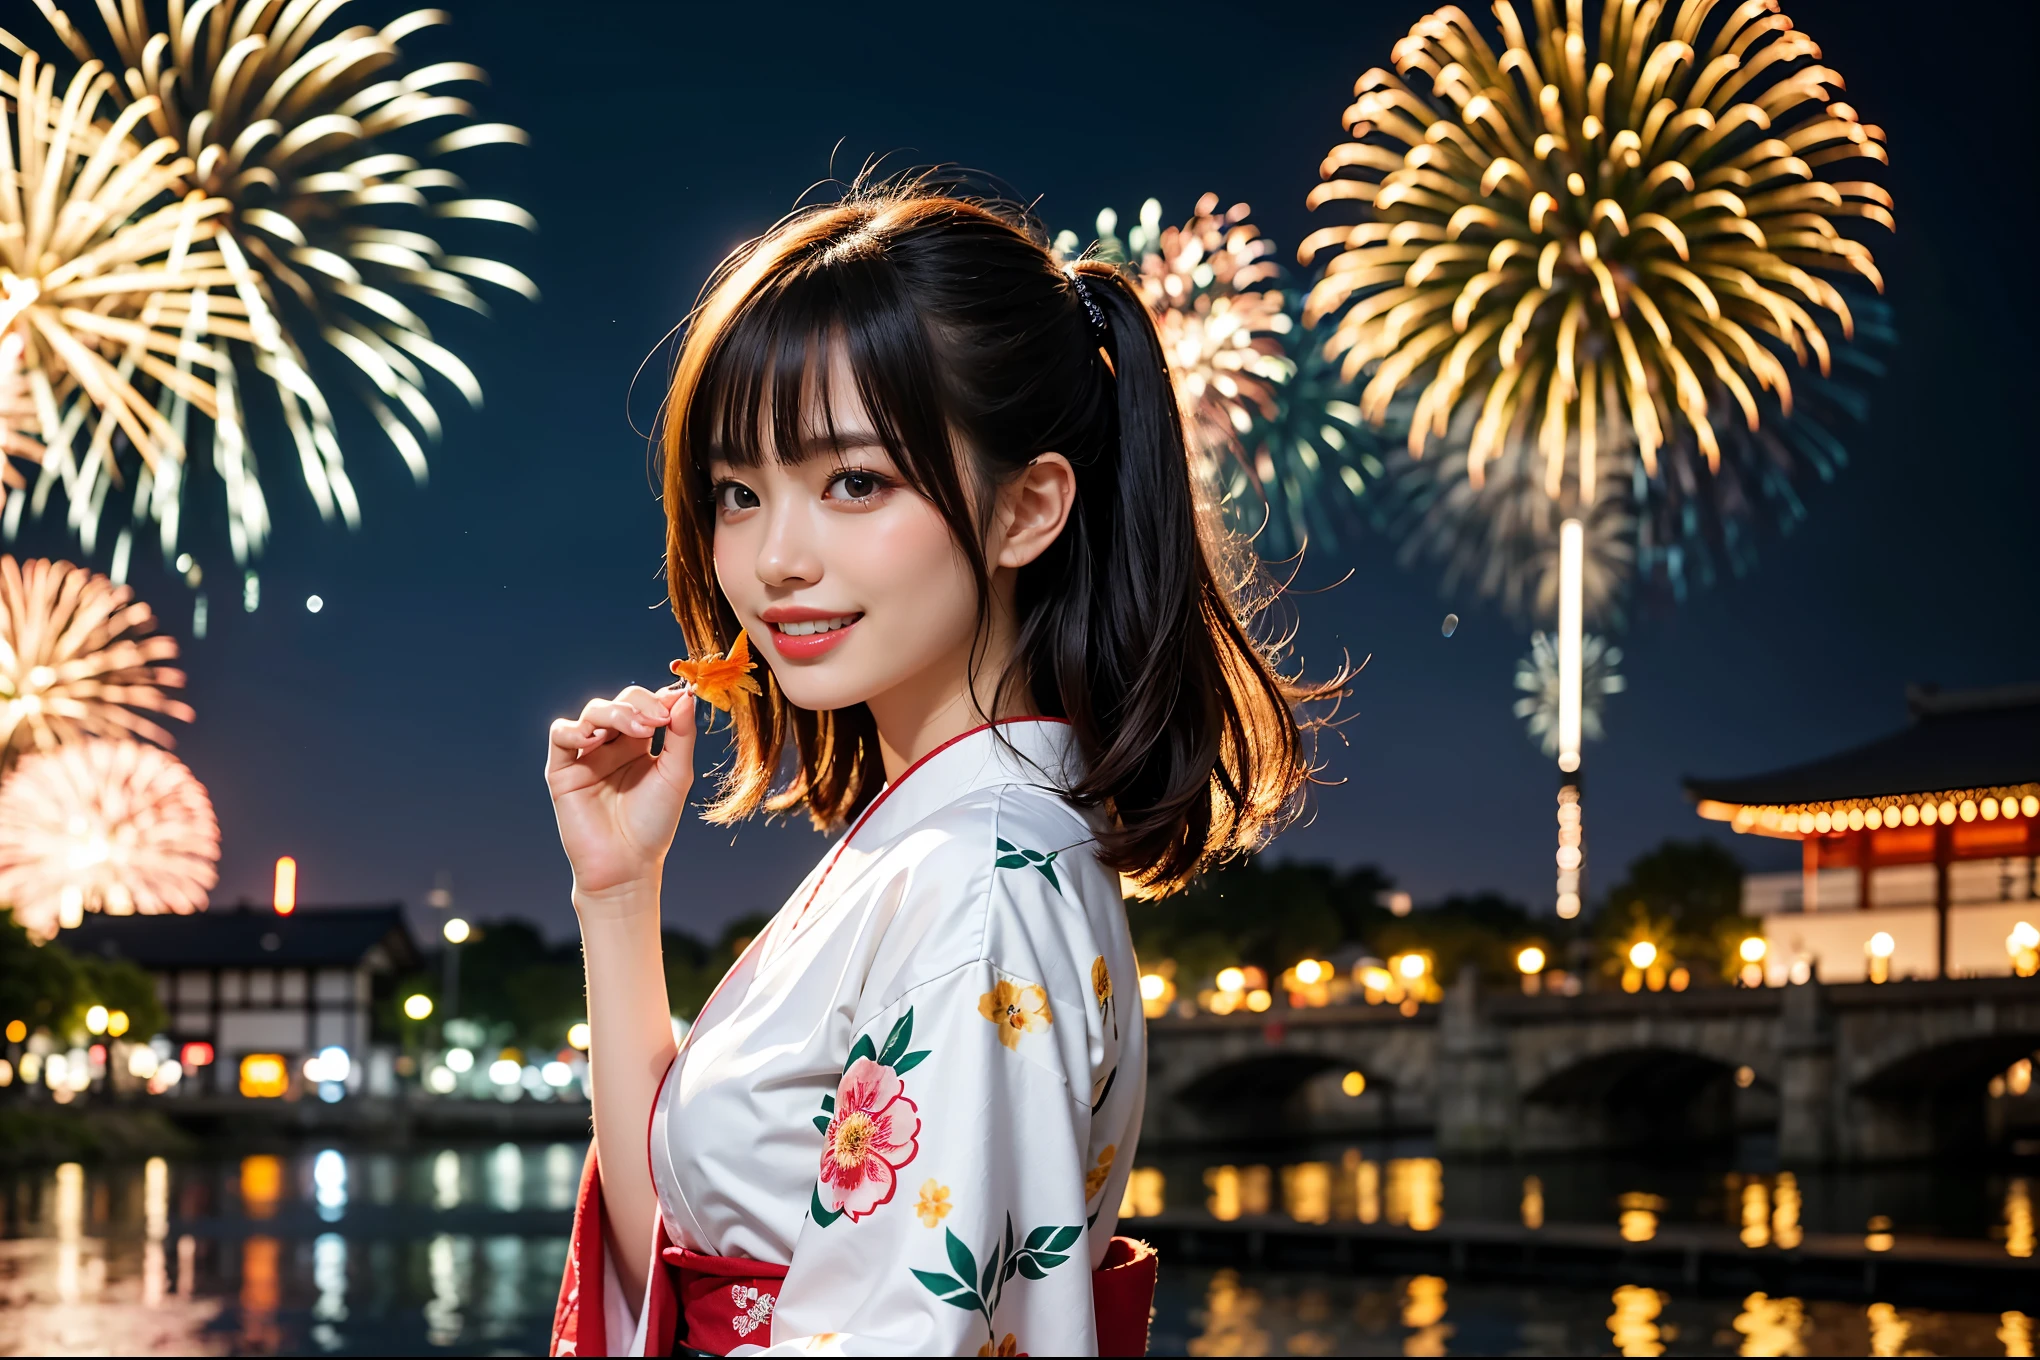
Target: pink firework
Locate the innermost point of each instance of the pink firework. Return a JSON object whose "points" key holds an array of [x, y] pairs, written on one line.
{"points": [[112, 826], [1212, 285], [78, 655]]}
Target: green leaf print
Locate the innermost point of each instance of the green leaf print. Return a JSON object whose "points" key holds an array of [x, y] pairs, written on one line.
{"points": [[822, 1217], [1042, 1252], [1012, 856]]}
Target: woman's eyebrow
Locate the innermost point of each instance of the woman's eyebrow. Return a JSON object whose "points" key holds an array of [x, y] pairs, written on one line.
{"points": [[841, 442]]}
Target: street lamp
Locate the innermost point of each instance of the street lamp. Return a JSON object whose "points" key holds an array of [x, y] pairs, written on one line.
{"points": [[456, 931]]}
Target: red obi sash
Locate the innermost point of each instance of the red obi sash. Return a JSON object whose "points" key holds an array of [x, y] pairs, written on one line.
{"points": [[717, 1303]]}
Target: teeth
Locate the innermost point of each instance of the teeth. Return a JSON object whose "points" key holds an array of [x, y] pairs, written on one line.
{"points": [[817, 626]]}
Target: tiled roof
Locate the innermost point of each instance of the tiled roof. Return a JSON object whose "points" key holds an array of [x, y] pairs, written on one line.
{"points": [[252, 937], [1958, 740]]}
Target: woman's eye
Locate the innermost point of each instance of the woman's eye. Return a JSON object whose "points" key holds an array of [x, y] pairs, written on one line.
{"points": [[731, 497], [856, 486]]}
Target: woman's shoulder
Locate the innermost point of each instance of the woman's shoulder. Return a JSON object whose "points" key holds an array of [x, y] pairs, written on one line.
{"points": [[1007, 877]]}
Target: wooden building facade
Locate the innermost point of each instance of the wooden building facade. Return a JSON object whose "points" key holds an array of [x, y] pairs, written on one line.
{"points": [[1935, 829]]}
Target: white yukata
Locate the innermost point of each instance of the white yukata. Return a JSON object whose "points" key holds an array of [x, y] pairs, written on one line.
{"points": [[921, 1086]]}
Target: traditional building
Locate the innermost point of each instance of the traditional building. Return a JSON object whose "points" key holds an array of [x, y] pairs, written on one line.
{"points": [[1933, 830], [246, 981]]}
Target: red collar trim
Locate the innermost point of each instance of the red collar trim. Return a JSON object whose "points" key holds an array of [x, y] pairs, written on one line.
{"points": [[886, 793]]}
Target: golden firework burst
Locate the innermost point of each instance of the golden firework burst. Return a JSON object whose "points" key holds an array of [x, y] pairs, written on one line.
{"points": [[329, 155], [1627, 235], [79, 658], [105, 263], [112, 826]]}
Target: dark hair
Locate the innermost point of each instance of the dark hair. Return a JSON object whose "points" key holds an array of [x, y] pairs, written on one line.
{"points": [[957, 322]]}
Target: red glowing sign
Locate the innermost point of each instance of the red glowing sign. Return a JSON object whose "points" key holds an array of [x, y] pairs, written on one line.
{"points": [[196, 1054]]}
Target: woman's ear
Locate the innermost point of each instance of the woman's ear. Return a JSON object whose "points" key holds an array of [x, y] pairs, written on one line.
{"points": [[1033, 508]]}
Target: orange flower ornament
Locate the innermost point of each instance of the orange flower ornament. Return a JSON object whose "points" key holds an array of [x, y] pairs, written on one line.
{"points": [[717, 679]]}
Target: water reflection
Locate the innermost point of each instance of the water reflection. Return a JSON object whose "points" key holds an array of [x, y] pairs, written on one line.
{"points": [[70, 1229], [329, 1184], [1423, 1312], [2018, 1218], [1771, 1326], [155, 1228], [261, 1185], [260, 1291], [448, 1259], [157, 1257], [562, 1176], [1633, 1325], [506, 1178], [446, 1180], [1232, 1312], [1772, 1210], [1888, 1330]]}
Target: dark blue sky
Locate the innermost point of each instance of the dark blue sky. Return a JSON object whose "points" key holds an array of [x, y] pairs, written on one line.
{"points": [[400, 732]]}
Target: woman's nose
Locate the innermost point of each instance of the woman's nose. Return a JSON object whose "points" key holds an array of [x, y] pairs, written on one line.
{"points": [[787, 556]]}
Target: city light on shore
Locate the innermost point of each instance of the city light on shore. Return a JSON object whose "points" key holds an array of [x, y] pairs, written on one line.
{"points": [[286, 886]]}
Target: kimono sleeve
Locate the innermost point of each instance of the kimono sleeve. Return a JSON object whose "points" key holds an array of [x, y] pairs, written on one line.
{"points": [[948, 1213]]}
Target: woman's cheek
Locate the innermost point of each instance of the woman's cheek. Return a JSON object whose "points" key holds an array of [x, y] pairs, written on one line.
{"points": [[908, 575]]}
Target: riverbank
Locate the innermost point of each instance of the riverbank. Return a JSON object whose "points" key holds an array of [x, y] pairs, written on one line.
{"points": [[39, 1135]]}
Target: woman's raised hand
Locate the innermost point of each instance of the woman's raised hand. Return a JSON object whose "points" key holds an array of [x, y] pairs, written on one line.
{"points": [[617, 804]]}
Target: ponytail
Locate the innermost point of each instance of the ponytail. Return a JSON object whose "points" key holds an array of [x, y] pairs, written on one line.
{"points": [[1189, 731], [1133, 625]]}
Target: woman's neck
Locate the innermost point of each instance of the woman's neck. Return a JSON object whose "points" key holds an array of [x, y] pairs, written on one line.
{"points": [[947, 700]]}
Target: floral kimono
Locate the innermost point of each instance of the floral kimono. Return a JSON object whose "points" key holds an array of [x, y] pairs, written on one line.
{"points": [[903, 1123]]}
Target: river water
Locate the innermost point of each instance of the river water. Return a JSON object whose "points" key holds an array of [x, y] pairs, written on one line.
{"points": [[458, 1250]]}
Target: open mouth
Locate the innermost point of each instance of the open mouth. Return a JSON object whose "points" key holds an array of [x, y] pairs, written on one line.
{"points": [[811, 627], [809, 639]]}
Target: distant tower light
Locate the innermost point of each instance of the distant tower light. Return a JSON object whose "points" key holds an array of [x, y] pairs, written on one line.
{"points": [[286, 885], [1571, 611]]}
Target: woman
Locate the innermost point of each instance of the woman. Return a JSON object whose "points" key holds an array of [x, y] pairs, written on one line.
{"points": [[939, 482]]}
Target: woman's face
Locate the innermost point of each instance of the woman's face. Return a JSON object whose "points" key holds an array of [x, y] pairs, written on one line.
{"points": [[848, 581]]}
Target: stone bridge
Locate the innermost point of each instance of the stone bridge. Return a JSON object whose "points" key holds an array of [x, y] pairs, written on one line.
{"points": [[1848, 1073]]}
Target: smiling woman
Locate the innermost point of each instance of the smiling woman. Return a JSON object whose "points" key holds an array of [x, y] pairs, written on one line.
{"points": [[943, 483]]}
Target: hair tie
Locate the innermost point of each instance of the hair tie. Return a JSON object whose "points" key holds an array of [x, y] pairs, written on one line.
{"points": [[1091, 307]]}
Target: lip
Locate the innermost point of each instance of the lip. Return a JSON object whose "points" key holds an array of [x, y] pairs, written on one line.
{"points": [[813, 645]]}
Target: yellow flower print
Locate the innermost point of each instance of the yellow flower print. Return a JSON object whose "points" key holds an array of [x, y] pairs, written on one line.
{"points": [[1095, 1178], [934, 1205], [1101, 981], [1016, 1010], [1010, 1346]]}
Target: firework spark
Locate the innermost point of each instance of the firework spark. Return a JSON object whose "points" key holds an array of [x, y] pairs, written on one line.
{"points": [[1268, 415], [1564, 251], [78, 658], [315, 138], [112, 826], [1537, 677], [104, 265], [1212, 286]]}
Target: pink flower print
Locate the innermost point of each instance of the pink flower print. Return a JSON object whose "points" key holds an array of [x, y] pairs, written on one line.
{"points": [[870, 1137]]}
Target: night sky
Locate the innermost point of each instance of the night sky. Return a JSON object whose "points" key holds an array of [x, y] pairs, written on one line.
{"points": [[399, 734]]}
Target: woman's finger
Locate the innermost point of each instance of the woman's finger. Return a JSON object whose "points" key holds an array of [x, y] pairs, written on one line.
{"points": [[675, 761], [621, 717], [648, 705]]}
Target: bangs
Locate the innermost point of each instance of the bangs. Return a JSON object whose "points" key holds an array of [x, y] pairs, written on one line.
{"points": [[767, 386]]}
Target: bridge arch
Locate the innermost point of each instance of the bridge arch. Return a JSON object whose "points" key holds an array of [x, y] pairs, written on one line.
{"points": [[1639, 1095]]}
